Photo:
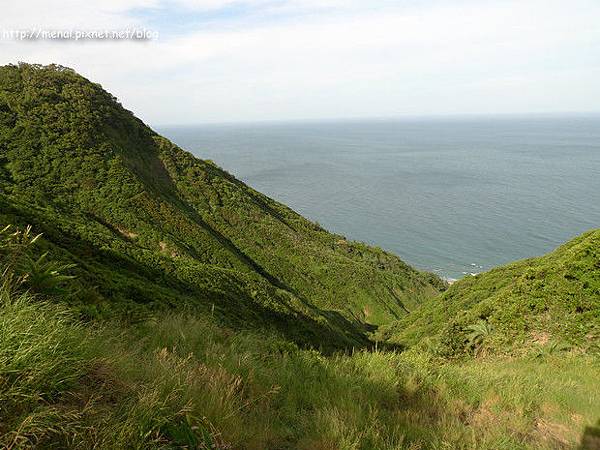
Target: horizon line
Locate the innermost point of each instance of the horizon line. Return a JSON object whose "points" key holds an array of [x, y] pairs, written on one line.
{"points": [[395, 118]]}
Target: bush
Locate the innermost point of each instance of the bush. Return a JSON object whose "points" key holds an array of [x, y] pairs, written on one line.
{"points": [[22, 271]]}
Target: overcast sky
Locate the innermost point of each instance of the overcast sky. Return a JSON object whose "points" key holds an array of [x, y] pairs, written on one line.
{"points": [[248, 60]]}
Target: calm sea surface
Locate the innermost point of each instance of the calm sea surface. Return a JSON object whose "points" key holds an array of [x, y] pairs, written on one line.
{"points": [[454, 196]]}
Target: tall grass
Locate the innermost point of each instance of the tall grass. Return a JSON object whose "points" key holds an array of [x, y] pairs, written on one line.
{"points": [[42, 355], [183, 382]]}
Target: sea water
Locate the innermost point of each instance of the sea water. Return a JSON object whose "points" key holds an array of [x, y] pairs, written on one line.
{"points": [[454, 196]]}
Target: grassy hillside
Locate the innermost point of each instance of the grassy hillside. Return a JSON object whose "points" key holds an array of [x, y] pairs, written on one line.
{"points": [[179, 380], [215, 294], [551, 302], [150, 226], [182, 382]]}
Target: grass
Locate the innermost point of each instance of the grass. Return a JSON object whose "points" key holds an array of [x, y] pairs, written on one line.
{"points": [[42, 354], [528, 306], [212, 295], [183, 382], [150, 227]]}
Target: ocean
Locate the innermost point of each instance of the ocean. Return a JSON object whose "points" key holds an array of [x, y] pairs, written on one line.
{"points": [[454, 196]]}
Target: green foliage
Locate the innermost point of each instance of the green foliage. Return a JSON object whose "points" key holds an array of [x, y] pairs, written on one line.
{"points": [[20, 270], [151, 227], [41, 357], [44, 276], [180, 381], [478, 332], [215, 291], [14, 246], [516, 308]]}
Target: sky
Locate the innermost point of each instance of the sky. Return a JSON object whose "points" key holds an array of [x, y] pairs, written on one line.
{"points": [[252, 60]]}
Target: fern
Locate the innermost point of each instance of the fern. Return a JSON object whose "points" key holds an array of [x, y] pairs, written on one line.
{"points": [[21, 271], [44, 276], [478, 333]]}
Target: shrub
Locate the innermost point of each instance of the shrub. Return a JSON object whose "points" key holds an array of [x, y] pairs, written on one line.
{"points": [[22, 271]]}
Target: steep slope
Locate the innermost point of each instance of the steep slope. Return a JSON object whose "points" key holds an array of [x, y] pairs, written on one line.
{"points": [[547, 302], [151, 226]]}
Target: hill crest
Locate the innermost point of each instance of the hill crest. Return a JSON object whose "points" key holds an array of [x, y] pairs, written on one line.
{"points": [[95, 179]]}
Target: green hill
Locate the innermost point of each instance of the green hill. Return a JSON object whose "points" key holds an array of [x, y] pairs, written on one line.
{"points": [[206, 287], [540, 303], [152, 227]]}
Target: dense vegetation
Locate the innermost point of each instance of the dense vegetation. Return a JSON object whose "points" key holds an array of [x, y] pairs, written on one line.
{"points": [[182, 382], [150, 226], [168, 305], [531, 305]]}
